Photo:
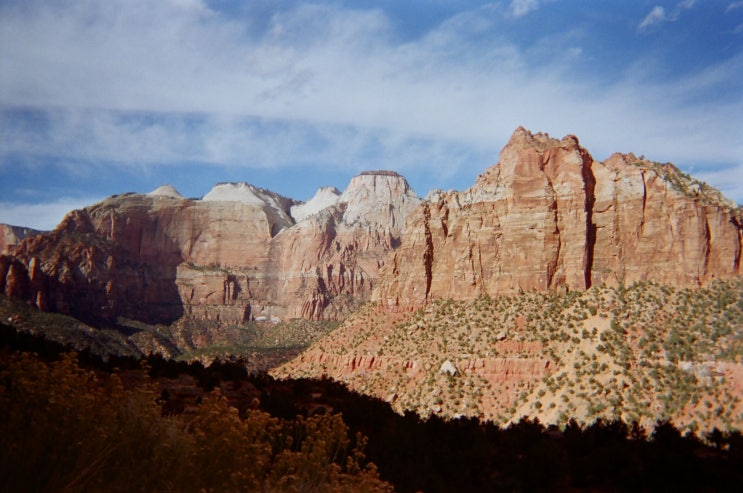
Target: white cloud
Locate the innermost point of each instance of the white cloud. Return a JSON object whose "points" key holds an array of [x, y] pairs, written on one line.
{"points": [[659, 14], [656, 16], [519, 8], [733, 6], [42, 215], [162, 83]]}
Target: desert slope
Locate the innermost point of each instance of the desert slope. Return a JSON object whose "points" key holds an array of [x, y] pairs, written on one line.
{"points": [[644, 353]]}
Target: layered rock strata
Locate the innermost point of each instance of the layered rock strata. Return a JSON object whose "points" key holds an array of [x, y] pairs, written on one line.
{"points": [[236, 254], [548, 216]]}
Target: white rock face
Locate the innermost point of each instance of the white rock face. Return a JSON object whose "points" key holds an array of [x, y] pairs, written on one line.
{"points": [[274, 205], [448, 368], [166, 191], [324, 198], [238, 192], [379, 199], [10, 236]]}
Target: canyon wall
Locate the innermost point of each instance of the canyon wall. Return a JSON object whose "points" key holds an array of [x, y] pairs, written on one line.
{"points": [[234, 255], [548, 216]]}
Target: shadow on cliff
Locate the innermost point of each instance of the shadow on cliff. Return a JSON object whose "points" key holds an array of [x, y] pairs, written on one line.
{"points": [[435, 455], [76, 270]]}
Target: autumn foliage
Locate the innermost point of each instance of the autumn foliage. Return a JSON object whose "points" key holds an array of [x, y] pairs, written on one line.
{"points": [[65, 428]]}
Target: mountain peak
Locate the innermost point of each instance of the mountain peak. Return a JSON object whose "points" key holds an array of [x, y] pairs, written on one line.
{"points": [[323, 198], [380, 173], [166, 191], [523, 138], [380, 198]]}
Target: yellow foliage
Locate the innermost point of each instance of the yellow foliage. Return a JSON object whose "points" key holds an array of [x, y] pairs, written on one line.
{"points": [[64, 428]]}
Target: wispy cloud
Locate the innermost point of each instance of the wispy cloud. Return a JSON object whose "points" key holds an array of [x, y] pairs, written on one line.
{"points": [[656, 16], [139, 83], [519, 8], [659, 15]]}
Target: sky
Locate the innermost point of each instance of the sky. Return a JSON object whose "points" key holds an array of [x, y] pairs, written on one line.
{"points": [[101, 98]]}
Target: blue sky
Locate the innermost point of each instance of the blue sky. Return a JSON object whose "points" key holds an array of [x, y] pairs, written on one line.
{"points": [[99, 98]]}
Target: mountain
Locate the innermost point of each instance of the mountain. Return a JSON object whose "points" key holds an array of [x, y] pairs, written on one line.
{"points": [[235, 255], [556, 287], [546, 217], [550, 217]]}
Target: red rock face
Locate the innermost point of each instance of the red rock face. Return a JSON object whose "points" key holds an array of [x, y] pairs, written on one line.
{"points": [[550, 217], [547, 216], [234, 255]]}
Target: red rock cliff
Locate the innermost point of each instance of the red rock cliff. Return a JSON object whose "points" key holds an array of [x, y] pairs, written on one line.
{"points": [[548, 216], [235, 254]]}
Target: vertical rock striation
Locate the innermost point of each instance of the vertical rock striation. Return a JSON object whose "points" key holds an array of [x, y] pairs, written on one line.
{"points": [[548, 216], [235, 254]]}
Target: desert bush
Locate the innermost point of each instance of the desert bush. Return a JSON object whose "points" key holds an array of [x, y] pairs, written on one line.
{"points": [[68, 429]]}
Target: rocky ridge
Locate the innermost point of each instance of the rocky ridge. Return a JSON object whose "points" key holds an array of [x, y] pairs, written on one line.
{"points": [[235, 255], [548, 216]]}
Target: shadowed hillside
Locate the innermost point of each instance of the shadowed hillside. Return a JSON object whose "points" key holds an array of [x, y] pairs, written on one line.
{"points": [[115, 429]]}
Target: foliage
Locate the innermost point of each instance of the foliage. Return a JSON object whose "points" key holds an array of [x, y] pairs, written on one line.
{"points": [[641, 352], [65, 428]]}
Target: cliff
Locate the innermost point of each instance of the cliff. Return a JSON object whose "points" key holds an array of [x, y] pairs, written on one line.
{"points": [[548, 216], [234, 255]]}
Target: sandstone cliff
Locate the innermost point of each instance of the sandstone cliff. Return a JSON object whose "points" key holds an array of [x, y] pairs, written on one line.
{"points": [[236, 254], [548, 216]]}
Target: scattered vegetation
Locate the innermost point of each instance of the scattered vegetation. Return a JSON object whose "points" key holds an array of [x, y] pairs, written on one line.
{"points": [[640, 353], [262, 344], [81, 426]]}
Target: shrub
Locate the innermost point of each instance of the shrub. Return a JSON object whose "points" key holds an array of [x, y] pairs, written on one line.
{"points": [[67, 429]]}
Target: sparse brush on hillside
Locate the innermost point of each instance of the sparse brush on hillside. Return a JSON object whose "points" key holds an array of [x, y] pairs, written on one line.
{"points": [[638, 354], [64, 428]]}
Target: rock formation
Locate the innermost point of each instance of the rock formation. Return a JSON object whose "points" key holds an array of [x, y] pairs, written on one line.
{"points": [[235, 254], [330, 260], [548, 216]]}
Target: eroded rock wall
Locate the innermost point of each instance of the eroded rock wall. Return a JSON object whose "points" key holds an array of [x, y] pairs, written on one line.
{"points": [[232, 256], [548, 216]]}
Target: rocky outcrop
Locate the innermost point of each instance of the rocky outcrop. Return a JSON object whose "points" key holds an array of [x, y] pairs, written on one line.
{"points": [[235, 254], [331, 259], [654, 222], [548, 216]]}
